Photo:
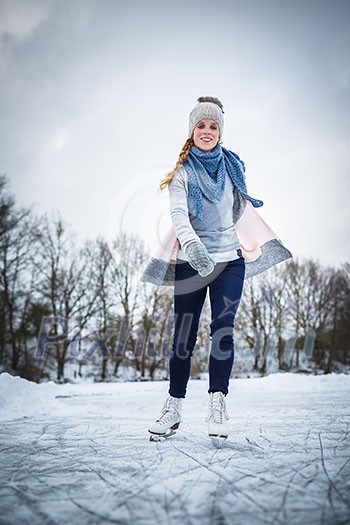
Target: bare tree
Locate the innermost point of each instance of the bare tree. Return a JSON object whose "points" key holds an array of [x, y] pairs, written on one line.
{"points": [[101, 303], [309, 291], [155, 329], [129, 257], [18, 276], [94, 295], [256, 318], [63, 283], [342, 334], [338, 304]]}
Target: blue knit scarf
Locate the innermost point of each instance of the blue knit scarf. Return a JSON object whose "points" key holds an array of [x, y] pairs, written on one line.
{"points": [[207, 175]]}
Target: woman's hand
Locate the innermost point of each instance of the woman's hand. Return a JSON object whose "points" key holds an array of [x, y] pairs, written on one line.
{"points": [[199, 258]]}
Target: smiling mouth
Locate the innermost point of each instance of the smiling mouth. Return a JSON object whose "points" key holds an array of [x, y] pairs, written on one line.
{"points": [[206, 139]]}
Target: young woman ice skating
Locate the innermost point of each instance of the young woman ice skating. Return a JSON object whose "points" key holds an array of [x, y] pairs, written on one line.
{"points": [[217, 240]]}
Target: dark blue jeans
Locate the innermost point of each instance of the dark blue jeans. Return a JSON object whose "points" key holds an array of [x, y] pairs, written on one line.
{"points": [[225, 290]]}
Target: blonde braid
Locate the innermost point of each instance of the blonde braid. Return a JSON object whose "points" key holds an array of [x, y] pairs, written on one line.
{"points": [[182, 158]]}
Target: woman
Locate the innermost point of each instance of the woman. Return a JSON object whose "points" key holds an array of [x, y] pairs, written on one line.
{"points": [[214, 234]]}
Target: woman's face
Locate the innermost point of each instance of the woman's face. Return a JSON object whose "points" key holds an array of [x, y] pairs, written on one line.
{"points": [[206, 134]]}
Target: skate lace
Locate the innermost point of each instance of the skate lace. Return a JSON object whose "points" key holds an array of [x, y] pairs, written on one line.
{"points": [[171, 405], [217, 408]]}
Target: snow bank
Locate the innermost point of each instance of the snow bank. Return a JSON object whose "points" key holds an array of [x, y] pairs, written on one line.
{"points": [[284, 382], [22, 398]]}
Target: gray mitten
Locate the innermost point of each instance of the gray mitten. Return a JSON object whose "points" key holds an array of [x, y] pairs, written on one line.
{"points": [[199, 258]]}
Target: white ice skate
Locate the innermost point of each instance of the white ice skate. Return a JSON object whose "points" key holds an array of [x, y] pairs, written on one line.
{"points": [[169, 420], [217, 415]]}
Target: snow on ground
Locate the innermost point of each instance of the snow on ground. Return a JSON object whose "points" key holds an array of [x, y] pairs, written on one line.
{"points": [[81, 454]]}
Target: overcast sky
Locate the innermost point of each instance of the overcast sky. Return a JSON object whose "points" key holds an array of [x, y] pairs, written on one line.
{"points": [[95, 97]]}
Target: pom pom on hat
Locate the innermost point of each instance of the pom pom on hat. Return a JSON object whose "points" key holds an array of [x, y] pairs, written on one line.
{"points": [[207, 107]]}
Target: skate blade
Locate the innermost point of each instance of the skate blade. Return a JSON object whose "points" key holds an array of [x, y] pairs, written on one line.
{"points": [[161, 437], [218, 441]]}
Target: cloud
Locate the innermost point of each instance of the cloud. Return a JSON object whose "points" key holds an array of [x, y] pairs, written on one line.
{"points": [[94, 94], [20, 18]]}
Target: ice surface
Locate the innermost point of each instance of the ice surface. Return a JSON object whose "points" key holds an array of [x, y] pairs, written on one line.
{"points": [[81, 454]]}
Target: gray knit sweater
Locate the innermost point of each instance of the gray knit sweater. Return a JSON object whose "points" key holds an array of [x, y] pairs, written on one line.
{"points": [[216, 231]]}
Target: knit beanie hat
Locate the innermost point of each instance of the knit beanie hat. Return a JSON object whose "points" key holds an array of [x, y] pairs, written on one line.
{"points": [[207, 107]]}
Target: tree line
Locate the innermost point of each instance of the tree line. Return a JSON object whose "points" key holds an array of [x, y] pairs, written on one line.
{"points": [[65, 306]]}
